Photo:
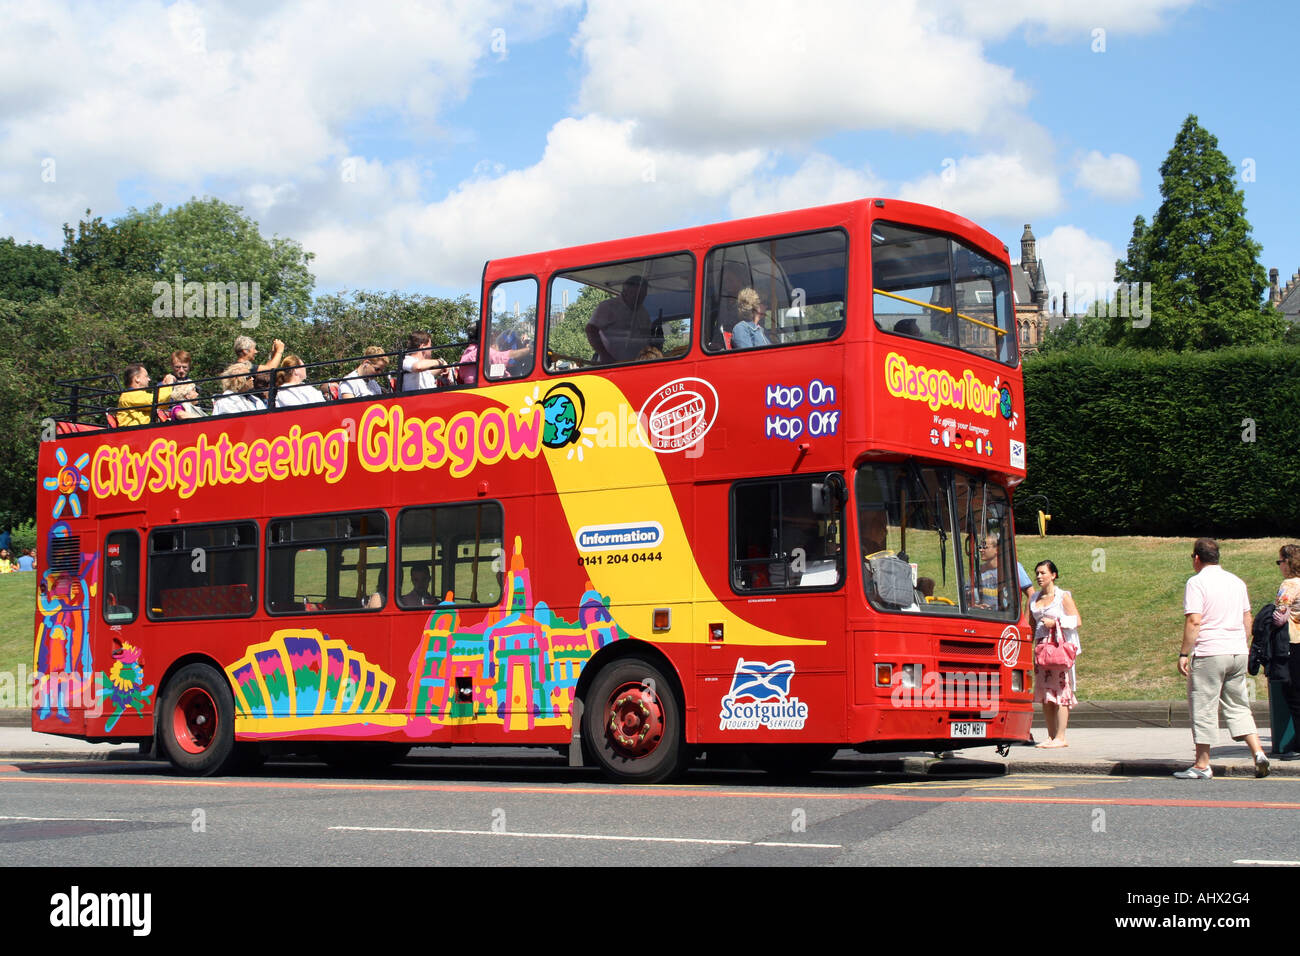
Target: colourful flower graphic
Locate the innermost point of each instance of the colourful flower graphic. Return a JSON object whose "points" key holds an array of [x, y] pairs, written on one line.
{"points": [[68, 482]]}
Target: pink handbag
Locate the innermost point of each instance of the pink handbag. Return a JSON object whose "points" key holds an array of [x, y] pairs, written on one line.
{"points": [[1055, 651]]}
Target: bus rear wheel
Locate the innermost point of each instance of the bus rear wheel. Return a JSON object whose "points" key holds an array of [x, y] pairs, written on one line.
{"points": [[633, 723], [196, 722]]}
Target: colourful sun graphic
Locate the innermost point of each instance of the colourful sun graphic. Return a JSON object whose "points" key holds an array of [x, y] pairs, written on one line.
{"points": [[68, 482]]}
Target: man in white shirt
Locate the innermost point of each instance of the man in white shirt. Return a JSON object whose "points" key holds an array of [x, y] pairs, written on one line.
{"points": [[1213, 659]]}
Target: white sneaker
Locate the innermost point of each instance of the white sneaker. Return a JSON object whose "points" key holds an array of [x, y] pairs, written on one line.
{"points": [[1261, 765], [1192, 773]]}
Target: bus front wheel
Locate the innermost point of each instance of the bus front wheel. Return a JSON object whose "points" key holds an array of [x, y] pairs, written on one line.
{"points": [[633, 723], [196, 722]]}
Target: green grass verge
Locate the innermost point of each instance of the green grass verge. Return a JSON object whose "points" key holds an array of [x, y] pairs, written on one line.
{"points": [[1129, 592], [1130, 597], [17, 617]]}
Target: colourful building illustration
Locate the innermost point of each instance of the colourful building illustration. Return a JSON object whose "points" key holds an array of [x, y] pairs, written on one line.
{"points": [[519, 667]]}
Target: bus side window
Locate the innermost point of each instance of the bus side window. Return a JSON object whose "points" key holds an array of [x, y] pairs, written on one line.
{"points": [[780, 541], [450, 553], [512, 329], [121, 577]]}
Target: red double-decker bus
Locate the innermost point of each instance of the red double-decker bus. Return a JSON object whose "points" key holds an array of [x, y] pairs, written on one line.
{"points": [[743, 485]]}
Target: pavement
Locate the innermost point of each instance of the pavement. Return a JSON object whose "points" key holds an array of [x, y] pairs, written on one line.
{"points": [[1144, 738]]}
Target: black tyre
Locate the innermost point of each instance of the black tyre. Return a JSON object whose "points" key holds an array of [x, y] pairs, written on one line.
{"points": [[362, 757], [632, 723], [195, 722], [792, 759]]}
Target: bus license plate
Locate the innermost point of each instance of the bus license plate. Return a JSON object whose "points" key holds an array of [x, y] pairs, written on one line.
{"points": [[967, 728]]}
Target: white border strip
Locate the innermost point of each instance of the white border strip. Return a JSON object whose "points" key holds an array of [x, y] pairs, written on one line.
{"points": [[589, 836]]}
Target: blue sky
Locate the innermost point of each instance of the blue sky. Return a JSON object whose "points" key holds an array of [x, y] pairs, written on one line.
{"points": [[404, 144]]}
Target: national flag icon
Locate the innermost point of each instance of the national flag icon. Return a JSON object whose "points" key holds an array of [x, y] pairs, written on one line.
{"points": [[760, 682]]}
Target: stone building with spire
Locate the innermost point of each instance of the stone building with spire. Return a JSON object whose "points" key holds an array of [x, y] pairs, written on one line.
{"points": [[1029, 284], [1286, 299]]}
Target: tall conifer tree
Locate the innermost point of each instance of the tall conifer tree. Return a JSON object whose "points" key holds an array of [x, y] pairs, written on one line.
{"points": [[1207, 282]]}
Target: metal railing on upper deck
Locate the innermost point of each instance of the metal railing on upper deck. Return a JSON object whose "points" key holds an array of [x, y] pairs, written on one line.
{"points": [[93, 402]]}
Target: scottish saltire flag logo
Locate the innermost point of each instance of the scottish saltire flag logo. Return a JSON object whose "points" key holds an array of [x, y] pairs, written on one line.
{"points": [[760, 697]]}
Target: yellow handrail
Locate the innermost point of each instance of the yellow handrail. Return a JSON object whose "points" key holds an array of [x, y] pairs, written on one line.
{"points": [[939, 308]]}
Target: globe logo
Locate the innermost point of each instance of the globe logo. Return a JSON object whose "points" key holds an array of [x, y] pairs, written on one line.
{"points": [[563, 416], [1004, 401]]}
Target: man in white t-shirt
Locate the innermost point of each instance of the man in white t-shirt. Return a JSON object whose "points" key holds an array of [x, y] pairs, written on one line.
{"points": [[1213, 659]]}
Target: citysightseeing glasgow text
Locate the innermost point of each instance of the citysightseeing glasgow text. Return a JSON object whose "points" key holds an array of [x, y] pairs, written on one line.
{"points": [[937, 387], [389, 440]]}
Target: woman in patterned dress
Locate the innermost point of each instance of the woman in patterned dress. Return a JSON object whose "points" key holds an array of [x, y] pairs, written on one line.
{"points": [[1054, 686]]}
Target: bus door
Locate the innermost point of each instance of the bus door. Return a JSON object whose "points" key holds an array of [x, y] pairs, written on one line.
{"points": [[88, 590]]}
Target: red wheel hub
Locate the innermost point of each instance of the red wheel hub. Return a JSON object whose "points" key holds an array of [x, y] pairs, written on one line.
{"points": [[194, 720], [636, 720]]}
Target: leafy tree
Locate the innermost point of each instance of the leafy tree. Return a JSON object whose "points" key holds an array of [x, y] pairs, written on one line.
{"points": [[207, 240], [28, 272], [1134, 266], [341, 326], [1076, 332], [1207, 282]]}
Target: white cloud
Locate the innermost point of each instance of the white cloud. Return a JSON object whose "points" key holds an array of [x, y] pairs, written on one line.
{"points": [[821, 180], [988, 185], [1077, 264], [593, 182], [1113, 177], [145, 92], [777, 74]]}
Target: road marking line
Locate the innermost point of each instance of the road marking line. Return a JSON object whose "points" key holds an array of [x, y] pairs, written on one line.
{"points": [[1268, 862], [585, 836], [67, 819], [680, 791]]}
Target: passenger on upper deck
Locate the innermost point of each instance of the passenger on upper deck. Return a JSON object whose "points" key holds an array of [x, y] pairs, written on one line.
{"points": [[467, 371], [184, 392], [289, 387], [734, 278], [748, 331], [421, 369], [620, 328], [363, 381], [134, 404], [246, 351], [237, 397]]}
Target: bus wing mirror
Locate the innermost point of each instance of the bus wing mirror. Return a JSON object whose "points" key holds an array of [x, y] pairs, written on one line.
{"points": [[829, 494]]}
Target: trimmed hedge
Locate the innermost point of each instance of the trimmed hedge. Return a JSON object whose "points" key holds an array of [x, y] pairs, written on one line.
{"points": [[1158, 443]]}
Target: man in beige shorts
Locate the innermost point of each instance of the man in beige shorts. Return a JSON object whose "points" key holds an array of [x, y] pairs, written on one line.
{"points": [[1213, 659]]}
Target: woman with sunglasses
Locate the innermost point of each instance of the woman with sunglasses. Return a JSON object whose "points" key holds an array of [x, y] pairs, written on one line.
{"points": [[1286, 610]]}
